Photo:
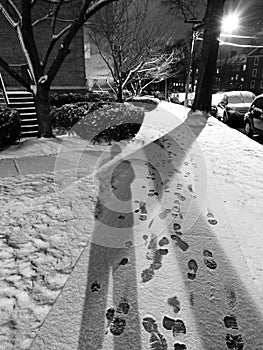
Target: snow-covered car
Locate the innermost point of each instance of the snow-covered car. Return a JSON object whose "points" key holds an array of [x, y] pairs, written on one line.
{"points": [[253, 120], [232, 106]]}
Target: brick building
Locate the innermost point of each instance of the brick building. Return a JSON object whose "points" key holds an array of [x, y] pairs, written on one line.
{"points": [[71, 75], [231, 72], [254, 78]]}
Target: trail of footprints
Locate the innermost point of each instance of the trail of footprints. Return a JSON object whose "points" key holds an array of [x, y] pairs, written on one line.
{"points": [[233, 340], [177, 327], [116, 318]]}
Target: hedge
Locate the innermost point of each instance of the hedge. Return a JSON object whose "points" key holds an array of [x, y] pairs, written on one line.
{"points": [[98, 122], [59, 100], [10, 126]]}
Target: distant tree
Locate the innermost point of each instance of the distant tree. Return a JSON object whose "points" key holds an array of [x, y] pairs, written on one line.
{"points": [[159, 67], [133, 40], [25, 16]]}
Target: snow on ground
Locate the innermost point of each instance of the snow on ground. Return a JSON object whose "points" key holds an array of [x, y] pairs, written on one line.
{"points": [[194, 275]]}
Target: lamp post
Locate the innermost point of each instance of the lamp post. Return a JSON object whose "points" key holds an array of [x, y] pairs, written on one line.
{"points": [[197, 26]]}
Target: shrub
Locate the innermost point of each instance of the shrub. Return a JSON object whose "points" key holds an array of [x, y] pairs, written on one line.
{"points": [[99, 121], [116, 121], [147, 103], [59, 100], [10, 126], [65, 117]]}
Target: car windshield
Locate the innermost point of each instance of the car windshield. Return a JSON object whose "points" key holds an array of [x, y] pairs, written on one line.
{"points": [[240, 98]]}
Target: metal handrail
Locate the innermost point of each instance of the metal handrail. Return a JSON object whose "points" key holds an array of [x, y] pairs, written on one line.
{"points": [[2, 84]]}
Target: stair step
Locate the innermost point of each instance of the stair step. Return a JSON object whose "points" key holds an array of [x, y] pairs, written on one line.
{"points": [[29, 126], [18, 98], [24, 103], [18, 92], [27, 120], [29, 133], [28, 113], [29, 123], [25, 109]]}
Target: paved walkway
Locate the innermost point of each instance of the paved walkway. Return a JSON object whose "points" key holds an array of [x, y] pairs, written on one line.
{"points": [[175, 256]]}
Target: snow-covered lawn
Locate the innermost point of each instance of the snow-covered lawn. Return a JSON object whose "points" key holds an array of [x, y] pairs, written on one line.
{"points": [[179, 244]]}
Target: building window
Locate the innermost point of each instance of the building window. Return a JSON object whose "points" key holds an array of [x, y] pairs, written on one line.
{"points": [[261, 84], [256, 60], [252, 84], [254, 73], [242, 79], [244, 67]]}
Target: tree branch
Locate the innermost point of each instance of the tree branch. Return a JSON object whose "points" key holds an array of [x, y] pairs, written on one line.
{"points": [[27, 36], [7, 16], [85, 13], [14, 74], [15, 9], [44, 18]]}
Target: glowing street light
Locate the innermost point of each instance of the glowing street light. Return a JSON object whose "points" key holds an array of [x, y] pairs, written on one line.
{"points": [[230, 23]]}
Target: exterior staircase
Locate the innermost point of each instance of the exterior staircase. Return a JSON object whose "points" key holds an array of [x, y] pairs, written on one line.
{"points": [[23, 102], [13, 96]]}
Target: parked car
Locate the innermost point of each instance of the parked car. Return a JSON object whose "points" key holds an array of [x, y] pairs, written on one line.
{"points": [[231, 106], [253, 120], [216, 109]]}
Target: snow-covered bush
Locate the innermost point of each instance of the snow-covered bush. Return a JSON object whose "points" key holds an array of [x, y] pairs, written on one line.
{"points": [[59, 100], [10, 126], [98, 122], [147, 102]]}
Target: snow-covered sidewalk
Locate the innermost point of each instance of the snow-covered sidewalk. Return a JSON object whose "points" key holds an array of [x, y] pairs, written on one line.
{"points": [[174, 260]]}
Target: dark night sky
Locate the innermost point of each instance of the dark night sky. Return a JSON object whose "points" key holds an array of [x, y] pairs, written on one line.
{"points": [[249, 12]]}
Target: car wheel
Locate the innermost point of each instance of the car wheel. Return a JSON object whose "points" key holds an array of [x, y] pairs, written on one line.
{"points": [[248, 128], [225, 118]]}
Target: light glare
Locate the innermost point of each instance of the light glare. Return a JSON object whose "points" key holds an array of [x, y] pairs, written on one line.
{"points": [[230, 23]]}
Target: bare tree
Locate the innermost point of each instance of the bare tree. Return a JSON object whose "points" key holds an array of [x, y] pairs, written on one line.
{"points": [[132, 41], [25, 16], [160, 67], [189, 11]]}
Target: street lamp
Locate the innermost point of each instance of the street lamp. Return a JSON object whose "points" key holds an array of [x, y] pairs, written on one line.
{"points": [[230, 23]]}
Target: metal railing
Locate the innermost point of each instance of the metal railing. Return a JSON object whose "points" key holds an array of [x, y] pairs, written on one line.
{"points": [[3, 88]]}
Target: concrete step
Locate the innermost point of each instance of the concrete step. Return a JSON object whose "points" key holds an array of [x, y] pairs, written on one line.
{"points": [[28, 114]]}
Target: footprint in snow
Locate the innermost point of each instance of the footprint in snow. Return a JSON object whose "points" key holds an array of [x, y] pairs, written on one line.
{"points": [[209, 262], [177, 326], [116, 321], [157, 341], [192, 264], [211, 219]]}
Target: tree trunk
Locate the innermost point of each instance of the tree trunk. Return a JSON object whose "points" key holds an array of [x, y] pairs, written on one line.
{"points": [[120, 93], [207, 67], [42, 102]]}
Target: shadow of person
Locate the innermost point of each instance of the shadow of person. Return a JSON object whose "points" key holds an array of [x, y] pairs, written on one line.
{"points": [[111, 268]]}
